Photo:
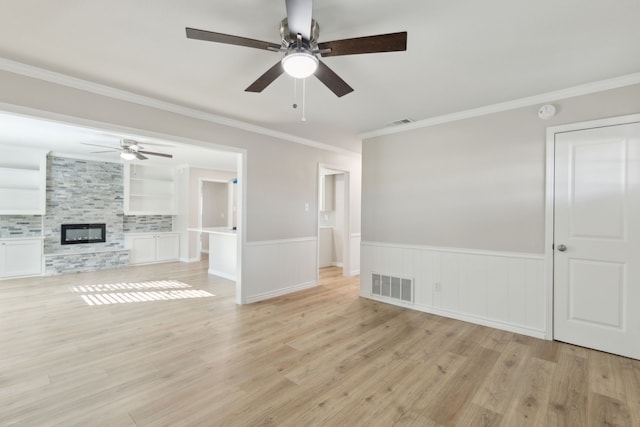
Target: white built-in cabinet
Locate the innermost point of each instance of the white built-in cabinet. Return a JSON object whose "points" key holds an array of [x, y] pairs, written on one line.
{"points": [[146, 248], [20, 257], [149, 190], [23, 181]]}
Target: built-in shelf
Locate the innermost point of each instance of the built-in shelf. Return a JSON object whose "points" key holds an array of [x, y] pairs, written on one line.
{"points": [[149, 190], [22, 181]]}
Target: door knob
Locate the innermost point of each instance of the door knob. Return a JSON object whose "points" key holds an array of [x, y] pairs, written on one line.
{"points": [[562, 248]]}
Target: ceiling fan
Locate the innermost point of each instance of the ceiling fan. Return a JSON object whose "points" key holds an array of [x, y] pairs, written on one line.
{"points": [[130, 150], [299, 33]]}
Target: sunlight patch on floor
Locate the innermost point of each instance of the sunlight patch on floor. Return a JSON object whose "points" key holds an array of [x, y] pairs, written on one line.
{"points": [[144, 291]]}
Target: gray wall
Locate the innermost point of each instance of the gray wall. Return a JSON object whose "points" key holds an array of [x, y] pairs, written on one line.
{"points": [[477, 183]]}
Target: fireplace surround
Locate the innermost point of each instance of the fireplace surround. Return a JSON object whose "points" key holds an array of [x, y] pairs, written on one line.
{"points": [[72, 234]]}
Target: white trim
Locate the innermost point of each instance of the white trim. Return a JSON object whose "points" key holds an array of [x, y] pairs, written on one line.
{"points": [[460, 316], [282, 241], [122, 95], [544, 98], [522, 255], [279, 292], [550, 197], [354, 235]]}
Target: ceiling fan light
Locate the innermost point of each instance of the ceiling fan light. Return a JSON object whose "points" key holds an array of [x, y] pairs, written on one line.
{"points": [[299, 64], [127, 155]]}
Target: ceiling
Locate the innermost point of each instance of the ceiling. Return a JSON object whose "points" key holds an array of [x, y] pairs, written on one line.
{"points": [[72, 141], [461, 55]]}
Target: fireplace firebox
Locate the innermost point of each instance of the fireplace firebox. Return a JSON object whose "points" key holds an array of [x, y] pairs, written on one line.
{"points": [[72, 234]]}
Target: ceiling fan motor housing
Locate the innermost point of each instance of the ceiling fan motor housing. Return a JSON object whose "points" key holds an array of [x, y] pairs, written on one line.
{"points": [[288, 41]]}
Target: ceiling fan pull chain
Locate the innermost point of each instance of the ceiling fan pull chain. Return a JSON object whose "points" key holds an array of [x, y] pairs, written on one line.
{"points": [[304, 99]]}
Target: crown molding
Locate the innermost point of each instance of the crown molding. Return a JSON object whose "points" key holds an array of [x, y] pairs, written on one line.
{"points": [[544, 98], [122, 95]]}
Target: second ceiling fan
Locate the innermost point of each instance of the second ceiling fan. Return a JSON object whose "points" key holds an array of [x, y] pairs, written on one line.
{"points": [[299, 33]]}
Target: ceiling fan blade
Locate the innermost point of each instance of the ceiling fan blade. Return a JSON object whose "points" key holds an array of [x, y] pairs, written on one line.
{"points": [[103, 146], [100, 152], [151, 153], [139, 156], [266, 79], [332, 80], [210, 36], [299, 14], [392, 42]]}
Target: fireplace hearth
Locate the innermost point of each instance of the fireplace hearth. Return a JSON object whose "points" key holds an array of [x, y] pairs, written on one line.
{"points": [[73, 234]]}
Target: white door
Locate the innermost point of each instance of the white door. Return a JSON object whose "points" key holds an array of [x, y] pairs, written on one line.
{"points": [[597, 239]]}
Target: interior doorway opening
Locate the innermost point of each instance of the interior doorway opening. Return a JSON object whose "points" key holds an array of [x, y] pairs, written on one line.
{"points": [[333, 218], [217, 208]]}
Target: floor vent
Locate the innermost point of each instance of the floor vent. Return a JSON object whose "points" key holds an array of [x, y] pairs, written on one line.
{"points": [[394, 287]]}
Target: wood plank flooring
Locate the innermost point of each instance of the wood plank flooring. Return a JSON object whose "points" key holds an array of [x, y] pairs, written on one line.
{"points": [[320, 357]]}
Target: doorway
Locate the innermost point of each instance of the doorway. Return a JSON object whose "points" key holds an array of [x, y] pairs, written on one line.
{"points": [[333, 218], [213, 209], [595, 198]]}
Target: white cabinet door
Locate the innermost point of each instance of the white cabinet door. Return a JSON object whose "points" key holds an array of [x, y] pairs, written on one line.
{"points": [[20, 258], [142, 249], [145, 248], [167, 247]]}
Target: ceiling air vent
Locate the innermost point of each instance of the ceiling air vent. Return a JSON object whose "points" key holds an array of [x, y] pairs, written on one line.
{"points": [[399, 122]]}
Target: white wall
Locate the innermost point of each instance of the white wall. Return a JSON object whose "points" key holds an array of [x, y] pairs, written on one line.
{"points": [[281, 176], [462, 204]]}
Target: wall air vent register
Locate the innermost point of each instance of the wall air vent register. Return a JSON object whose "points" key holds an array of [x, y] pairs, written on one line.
{"points": [[394, 287]]}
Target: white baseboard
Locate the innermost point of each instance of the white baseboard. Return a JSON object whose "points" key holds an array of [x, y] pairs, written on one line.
{"points": [[279, 292]]}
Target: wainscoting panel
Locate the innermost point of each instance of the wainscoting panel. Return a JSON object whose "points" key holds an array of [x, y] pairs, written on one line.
{"points": [[501, 290], [278, 267]]}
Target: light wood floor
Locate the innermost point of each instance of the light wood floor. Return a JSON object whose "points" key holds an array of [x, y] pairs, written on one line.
{"points": [[318, 357]]}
